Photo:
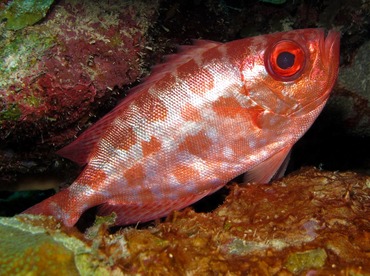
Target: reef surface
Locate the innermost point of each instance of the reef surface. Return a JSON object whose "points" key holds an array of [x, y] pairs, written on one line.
{"points": [[310, 222]]}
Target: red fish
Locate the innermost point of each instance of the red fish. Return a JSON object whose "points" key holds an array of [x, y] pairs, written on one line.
{"points": [[210, 113]]}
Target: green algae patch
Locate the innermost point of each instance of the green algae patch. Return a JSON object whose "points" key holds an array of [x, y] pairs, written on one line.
{"points": [[33, 245], [19, 54], [311, 259], [23, 252], [10, 113], [21, 13]]}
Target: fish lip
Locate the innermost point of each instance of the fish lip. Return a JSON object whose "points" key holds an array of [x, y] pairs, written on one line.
{"points": [[331, 45]]}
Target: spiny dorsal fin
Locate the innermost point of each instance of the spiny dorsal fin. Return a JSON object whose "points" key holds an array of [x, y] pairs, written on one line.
{"points": [[183, 55]]}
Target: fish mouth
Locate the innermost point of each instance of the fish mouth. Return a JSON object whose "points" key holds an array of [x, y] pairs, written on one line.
{"points": [[331, 47]]}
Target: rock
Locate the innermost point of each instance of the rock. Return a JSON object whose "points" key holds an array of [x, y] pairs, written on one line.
{"points": [[54, 73], [18, 14], [351, 100]]}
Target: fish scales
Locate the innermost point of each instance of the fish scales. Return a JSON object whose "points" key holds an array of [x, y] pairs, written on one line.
{"points": [[207, 115]]}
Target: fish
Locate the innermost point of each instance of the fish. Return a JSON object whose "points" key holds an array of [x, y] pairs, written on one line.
{"points": [[209, 113]]}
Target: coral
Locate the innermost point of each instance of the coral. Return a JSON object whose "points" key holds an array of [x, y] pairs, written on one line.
{"points": [[311, 222]]}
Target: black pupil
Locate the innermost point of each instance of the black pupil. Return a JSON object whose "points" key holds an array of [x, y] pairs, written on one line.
{"points": [[285, 60]]}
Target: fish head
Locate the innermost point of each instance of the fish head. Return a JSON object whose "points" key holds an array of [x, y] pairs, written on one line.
{"points": [[291, 73]]}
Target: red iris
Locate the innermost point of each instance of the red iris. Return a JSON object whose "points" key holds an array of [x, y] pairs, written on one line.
{"points": [[285, 60]]}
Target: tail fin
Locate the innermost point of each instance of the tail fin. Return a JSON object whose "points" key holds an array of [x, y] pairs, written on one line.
{"points": [[59, 206]]}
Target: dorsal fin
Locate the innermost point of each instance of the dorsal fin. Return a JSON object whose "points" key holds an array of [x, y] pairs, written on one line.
{"points": [[79, 150], [183, 55]]}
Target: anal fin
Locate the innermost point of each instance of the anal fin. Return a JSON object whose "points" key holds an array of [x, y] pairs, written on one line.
{"points": [[129, 213]]}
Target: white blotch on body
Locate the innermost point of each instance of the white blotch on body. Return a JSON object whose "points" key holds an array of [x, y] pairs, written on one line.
{"points": [[228, 152]]}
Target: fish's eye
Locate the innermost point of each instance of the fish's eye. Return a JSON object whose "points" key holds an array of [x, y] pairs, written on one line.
{"points": [[285, 60]]}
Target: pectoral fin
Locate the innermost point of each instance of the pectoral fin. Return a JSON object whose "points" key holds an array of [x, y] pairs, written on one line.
{"points": [[274, 166]]}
